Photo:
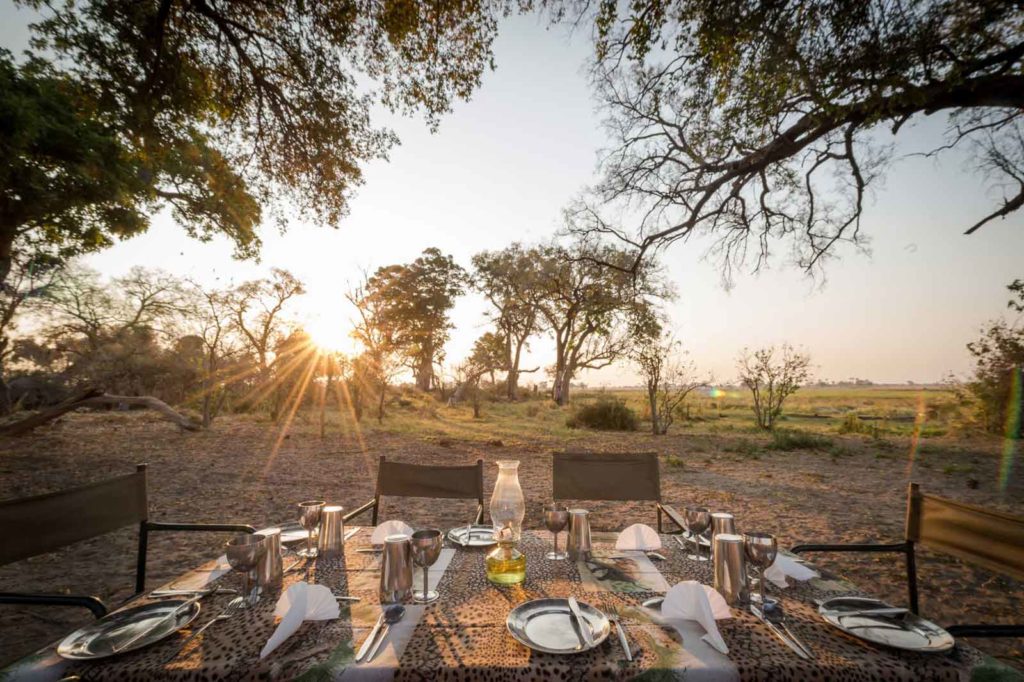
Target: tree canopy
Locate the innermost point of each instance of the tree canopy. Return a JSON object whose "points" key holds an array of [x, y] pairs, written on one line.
{"points": [[767, 122]]}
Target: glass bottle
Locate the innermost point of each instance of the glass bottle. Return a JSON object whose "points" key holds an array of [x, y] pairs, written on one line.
{"points": [[506, 565]]}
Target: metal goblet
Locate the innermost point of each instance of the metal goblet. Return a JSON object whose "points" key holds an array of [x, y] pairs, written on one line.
{"points": [[310, 512], [244, 552], [555, 519], [426, 548], [697, 520], [761, 549]]}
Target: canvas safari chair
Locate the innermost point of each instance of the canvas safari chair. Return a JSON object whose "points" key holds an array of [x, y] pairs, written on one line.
{"points": [[990, 539], [398, 479], [612, 476], [43, 523]]}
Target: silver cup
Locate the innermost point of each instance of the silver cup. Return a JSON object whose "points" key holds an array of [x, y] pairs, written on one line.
{"points": [[580, 544], [270, 570], [721, 522], [332, 532], [730, 569], [396, 570]]}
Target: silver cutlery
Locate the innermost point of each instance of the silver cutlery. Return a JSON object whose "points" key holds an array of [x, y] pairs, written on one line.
{"points": [[652, 602], [777, 625], [160, 622], [230, 611], [891, 611], [346, 597], [370, 550], [370, 638], [581, 623], [612, 613], [350, 533], [680, 542], [392, 615], [157, 594], [655, 556]]}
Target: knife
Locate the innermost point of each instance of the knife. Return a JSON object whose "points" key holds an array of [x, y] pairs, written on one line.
{"points": [[350, 533], [163, 619], [783, 636], [894, 611], [581, 622], [380, 640], [369, 639]]}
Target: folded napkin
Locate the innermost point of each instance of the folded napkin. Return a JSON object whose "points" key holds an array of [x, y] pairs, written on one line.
{"points": [[638, 536], [690, 600], [784, 567], [389, 528], [299, 603]]}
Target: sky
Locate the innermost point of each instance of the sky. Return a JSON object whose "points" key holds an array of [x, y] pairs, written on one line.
{"points": [[502, 167]]}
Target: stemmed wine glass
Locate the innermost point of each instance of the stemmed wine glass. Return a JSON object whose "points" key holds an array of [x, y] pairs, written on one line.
{"points": [[426, 548], [244, 552], [760, 549], [697, 520], [310, 512], [555, 518]]}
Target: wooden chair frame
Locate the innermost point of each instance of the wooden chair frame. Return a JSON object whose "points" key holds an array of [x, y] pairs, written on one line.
{"points": [[421, 480], [644, 486], [907, 549], [133, 490]]}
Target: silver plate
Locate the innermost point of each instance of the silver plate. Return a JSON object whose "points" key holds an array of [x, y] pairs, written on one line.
{"points": [[908, 632], [546, 625], [97, 640], [479, 536]]}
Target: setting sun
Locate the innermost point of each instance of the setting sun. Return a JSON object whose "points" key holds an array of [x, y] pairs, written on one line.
{"points": [[329, 330]]}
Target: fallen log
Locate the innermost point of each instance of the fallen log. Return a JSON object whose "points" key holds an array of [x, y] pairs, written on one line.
{"points": [[94, 397]]}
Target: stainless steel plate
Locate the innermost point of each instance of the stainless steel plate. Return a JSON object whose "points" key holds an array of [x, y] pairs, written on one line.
{"points": [[908, 632], [546, 625], [97, 640], [479, 536]]}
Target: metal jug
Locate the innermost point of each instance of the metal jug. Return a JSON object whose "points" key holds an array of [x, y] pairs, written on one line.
{"points": [[580, 544], [396, 569]]}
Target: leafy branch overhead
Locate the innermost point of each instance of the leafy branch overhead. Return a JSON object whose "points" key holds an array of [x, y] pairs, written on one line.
{"points": [[767, 122]]}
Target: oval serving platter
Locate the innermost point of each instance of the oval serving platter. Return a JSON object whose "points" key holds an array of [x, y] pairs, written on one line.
{"points": [[98, 639]]}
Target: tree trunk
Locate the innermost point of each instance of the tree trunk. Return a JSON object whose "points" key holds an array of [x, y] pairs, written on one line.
{"points": [[425, 372], [92, 398], [380, 403], [5, 394], [652, 398]]}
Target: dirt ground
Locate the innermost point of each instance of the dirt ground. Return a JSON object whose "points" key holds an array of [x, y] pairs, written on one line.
{"points": [[230, 474]]}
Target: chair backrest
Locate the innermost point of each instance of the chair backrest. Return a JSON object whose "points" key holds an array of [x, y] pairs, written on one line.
{"points": [[43, 523], [464, 481], [606, 476], [988, 538]]}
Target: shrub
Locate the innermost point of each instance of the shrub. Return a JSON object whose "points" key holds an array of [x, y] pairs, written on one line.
{"points": [[532, 410], [852, 423], [607, 414], [797, 440]]}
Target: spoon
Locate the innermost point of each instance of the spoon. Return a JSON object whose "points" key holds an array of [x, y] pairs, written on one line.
{"points": [[653, 602], [392, 615]]}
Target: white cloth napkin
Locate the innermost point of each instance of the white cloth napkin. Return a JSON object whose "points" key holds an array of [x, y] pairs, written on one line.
{"points": [[389, 528], [785, 566], [638, 536], [690, 600], [299, 603]]}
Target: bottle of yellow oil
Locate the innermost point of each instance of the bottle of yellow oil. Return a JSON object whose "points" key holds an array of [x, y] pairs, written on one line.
{"points": [[506, 565]]}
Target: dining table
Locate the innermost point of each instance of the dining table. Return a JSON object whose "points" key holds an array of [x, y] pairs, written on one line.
{"points": [[464, 635]]}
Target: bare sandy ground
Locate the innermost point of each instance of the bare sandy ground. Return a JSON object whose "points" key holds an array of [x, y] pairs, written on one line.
{"points": [[229, 474]]}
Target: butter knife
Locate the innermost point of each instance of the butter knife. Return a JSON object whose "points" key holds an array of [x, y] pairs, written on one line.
{"points": [[783, 636], [581, 622], [370, 638]]}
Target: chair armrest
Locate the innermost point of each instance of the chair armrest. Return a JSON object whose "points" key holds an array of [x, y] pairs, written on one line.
{"points": [[222, 527], [356, 512], [901, 547], [673, 516], [986, 630], [98, 608]]}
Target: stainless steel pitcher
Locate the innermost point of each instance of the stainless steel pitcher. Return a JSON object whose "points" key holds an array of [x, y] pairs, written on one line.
{"points": [[396, 569], [331, 543], [730, 569], [580, 544]]}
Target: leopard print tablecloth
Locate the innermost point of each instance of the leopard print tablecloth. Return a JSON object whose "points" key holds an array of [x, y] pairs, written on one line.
{"points": [[463, 636]]}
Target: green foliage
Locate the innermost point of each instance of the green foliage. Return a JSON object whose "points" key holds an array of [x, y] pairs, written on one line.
{"points": [[605, 414], [998, 382], [787, 440], [771, 377], [674, 462]]}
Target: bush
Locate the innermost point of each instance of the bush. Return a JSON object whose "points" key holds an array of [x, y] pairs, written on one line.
{"points": [[797, 440], [607, 414]]}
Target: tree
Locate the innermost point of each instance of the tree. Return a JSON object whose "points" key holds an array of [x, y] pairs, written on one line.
{"points": [[669, 379], [413, 301], [767, 120], [257, 309], [211, 341], [224, 105], [381, 360], [489, 354], [998, 382], [32, 271], [507, 279], [772, 376], [586, 305]]}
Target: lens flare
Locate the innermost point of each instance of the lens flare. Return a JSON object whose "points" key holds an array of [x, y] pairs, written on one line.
{"points": [[1014, 410], [915, 439]]}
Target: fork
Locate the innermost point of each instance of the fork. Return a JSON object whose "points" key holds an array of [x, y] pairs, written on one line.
{"points": [[229, 611], [611, 611]]}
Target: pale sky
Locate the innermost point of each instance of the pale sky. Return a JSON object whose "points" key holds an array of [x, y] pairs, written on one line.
{"points": [[503, 166]]}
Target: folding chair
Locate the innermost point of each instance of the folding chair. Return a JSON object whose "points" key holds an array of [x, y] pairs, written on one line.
{"points": [[44, 523], [987, 538], [612, 476], [398, 479]]}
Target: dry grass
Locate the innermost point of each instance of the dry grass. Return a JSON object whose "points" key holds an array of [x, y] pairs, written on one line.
{"points": [[850, 488]]}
